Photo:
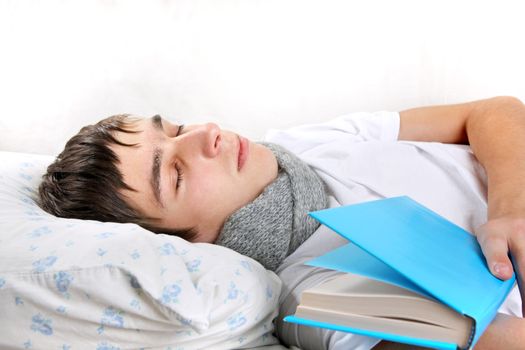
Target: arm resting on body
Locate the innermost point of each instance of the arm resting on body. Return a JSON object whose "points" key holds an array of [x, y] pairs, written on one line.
{"points": [[495, 130]]}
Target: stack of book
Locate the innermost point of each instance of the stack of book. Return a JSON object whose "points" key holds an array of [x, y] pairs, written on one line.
{"points": [[411, 276]]}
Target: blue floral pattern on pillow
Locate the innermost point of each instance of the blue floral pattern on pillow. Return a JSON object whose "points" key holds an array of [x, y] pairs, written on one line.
{"points": [[92, 285], [41, 324]]}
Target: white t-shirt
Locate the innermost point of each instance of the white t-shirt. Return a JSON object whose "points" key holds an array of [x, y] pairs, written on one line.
{"points": [[359, 158]]}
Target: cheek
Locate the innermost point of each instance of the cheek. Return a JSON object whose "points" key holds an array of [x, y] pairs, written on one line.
{"points": [[209, 189]]}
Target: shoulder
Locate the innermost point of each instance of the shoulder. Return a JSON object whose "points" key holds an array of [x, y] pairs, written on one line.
{"points": [[356, 127]]}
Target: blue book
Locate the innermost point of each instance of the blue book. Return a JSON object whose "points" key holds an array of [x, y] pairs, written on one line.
{"points": [[411, 277]]}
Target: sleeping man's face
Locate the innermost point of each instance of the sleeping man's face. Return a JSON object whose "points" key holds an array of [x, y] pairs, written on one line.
{"points": [[191, 177]]}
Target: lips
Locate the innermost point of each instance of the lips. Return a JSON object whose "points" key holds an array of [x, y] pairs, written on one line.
{"points": [[243, 152]]}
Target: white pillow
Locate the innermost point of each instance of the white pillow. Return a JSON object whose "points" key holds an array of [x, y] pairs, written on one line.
{"points": [[67, 283]]}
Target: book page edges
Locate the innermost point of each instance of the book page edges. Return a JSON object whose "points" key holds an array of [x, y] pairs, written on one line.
{"points": [[415, 309], [475, 313], [380, 335], [318, 215]]}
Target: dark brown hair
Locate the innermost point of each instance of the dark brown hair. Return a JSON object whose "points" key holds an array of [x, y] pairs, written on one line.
{"points": [[84, 181]]}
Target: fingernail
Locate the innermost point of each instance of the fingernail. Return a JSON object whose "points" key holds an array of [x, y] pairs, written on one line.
{"points": [[501, 269]]}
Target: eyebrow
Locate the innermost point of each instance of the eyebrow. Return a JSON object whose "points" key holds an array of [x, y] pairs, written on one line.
{"points": [[157, 160], [156, 120]]}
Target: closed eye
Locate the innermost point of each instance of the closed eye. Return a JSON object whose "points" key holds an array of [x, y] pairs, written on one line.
{"points": [[179, 131], [177, 166], [179, 175]]}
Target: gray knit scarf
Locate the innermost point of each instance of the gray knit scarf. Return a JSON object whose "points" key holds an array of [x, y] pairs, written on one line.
{"points": [[272, 226]]}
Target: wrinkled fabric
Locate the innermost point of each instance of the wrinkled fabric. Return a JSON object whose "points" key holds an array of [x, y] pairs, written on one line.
{"points": [[277, 222], [78, 284]]}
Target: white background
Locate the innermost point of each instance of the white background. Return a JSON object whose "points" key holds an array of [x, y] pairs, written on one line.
{"points": [[247, 64]]}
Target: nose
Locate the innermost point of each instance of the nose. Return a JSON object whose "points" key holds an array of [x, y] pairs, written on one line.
{"points": [[204, 139], [211, 139]]}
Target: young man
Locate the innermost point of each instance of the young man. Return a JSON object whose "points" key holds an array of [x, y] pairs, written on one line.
{"points": [[211, 185]]}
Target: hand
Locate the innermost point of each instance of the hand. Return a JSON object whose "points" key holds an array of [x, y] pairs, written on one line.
{"points": [[499, 237]]}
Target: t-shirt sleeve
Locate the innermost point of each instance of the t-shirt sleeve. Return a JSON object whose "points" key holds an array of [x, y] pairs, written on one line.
{"points": [[358, 127]]}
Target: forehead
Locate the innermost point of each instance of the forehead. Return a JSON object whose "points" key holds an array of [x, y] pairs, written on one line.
{"points": [[137, 126], [148, 127]]}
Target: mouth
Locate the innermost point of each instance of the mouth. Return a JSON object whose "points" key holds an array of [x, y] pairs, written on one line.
{"points": [[243, 152]]}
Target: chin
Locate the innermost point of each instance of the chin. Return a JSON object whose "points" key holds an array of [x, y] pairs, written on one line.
{"points": [[267, 164]]}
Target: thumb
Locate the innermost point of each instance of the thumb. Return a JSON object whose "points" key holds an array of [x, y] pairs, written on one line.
{"points": [[495, 249]]}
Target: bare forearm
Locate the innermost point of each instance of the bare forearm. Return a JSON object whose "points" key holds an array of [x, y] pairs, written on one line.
{"points": [[505, 332], [496, 133]]}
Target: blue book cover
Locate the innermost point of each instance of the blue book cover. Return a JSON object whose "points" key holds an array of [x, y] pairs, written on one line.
{"points": [[401, 242]]}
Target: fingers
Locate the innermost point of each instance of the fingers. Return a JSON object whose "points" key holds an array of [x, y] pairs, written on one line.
{"points": [[495, 248], [498, 238]]}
